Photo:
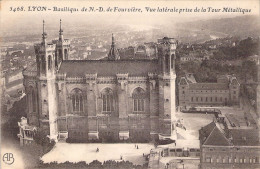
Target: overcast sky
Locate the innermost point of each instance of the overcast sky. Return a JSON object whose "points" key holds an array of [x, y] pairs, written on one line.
{"points": [[10, 20]]}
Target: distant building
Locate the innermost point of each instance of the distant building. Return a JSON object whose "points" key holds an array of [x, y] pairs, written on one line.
{"points": [[146, 51], [223, 147], [254, 58], [14, 82], [187, 58], [224, 92]]}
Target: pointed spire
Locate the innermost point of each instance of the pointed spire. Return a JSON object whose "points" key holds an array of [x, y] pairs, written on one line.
{"points": [[43, 26], [113, 53], [61, 33], [113, 40], [44, 34]]}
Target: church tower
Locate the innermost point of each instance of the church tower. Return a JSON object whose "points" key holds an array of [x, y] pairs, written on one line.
{"points": [[167, 93], [63, 48], [45, 58], [113, 53]]}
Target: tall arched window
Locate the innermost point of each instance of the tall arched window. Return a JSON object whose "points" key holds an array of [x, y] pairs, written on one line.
{"points": [[60, 55], [66, 53], [43, 63], [32, 99], [49, 62], [108, 100], [167, 62], [77, 100], [172, 61], [138, 99], [56, 59]]}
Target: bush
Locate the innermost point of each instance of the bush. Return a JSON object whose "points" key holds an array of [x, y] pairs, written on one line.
{"points": [[111, 164], [42, 139]]}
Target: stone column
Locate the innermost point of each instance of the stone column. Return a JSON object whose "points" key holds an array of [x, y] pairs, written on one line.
{"points": [[122, 90]]}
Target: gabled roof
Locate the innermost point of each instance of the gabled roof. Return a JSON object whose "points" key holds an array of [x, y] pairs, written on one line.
{"points": [[183, 81], [216, 138], [78, 68], [208, 129]]}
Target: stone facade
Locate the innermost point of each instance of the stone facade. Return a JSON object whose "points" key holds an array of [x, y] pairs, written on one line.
{"points": [[223, 147], [225, 92], [108, 100]]}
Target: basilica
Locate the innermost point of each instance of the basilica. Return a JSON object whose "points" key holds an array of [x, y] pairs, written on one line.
{"points": [[105, 100]]}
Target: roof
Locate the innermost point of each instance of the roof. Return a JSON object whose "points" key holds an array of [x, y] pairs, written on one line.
{"points": [[183, 81], [209, 86], [234, 81], [214, 135], [217, 138], [78, 68], [245, 137], [190, 78], [208, 128]]}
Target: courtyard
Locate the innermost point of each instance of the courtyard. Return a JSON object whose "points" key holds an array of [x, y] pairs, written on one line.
{"points": [[63, 152]]}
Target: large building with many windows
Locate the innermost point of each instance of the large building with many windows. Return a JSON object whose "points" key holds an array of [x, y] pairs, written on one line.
{"points": [[225, 91], [107, 100], [229, 147]]}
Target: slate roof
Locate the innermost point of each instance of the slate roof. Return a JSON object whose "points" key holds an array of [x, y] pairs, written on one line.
{"points": [[208, 128], [209, 86], [214, 135], [245, 137], [217, 138], [78, 68]]}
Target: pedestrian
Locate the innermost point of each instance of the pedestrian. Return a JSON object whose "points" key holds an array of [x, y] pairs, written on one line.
{"points": [[97, 149], [137, 147], [143, 154]]}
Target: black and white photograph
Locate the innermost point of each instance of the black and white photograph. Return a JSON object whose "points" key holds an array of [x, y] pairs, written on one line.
{"points": [[130, 84]]}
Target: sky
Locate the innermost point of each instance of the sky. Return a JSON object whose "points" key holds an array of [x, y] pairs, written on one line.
{"points": [[20, 20]]}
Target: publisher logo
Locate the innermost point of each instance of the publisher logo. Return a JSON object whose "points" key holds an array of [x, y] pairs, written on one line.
{"points": [[8, 158]]}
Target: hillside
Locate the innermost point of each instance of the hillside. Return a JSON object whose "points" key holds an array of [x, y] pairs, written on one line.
{"points": [[242, 26]]}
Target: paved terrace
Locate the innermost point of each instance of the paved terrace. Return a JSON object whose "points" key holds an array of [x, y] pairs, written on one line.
{"points": [[63, 152]]}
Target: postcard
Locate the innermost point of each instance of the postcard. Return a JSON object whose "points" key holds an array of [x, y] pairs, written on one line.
{"points": [[130, 84]]}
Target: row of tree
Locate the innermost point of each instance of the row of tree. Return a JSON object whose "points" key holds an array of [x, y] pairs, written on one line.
{"points": [[111, 164]]}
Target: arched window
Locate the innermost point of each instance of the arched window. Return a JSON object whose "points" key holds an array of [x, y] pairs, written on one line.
{"points": [[43, 63], [77, 100], [108, 100], [167, 60], [49, 62], [66, 53], [172, 61], [60, 55], [32, 99], [138, 96], [56, 59]]}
